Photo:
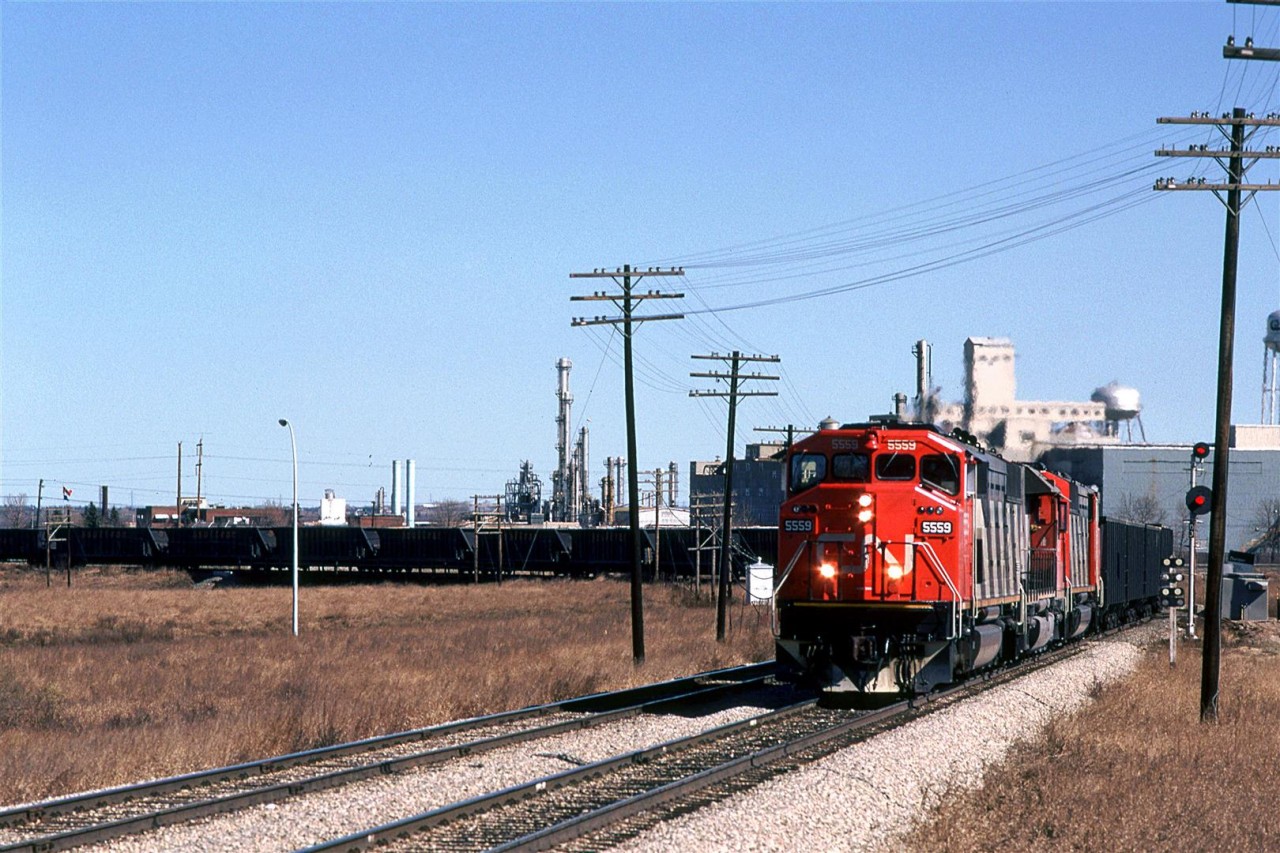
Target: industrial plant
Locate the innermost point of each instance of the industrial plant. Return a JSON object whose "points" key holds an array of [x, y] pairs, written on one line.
{"points": [[1098, 441]]}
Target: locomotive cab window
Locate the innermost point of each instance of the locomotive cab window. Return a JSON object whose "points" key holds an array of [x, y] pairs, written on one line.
{"points": [[852, 467], [807, 470], [941, 471], [895, 466]]}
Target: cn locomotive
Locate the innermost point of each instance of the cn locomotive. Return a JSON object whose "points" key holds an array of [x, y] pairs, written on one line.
{"points": [[908, 558]]}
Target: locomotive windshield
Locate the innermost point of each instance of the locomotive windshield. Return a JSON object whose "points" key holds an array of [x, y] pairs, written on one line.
{"points": [[807, 470], [942, 471], [851, 467], [895, 466], [939, 470]]}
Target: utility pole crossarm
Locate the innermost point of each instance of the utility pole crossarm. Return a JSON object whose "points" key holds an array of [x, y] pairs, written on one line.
{"points": [[728, 394], [771, 359], [729, 376], [1268, 54], [609, 297], [1231, 51], [1164, 185], [635, 274], [1271, 120], [606, 321], [1268, 153]]}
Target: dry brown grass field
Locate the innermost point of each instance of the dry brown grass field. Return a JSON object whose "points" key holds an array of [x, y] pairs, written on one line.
{"points": [[131, 675], [1136, 770]]}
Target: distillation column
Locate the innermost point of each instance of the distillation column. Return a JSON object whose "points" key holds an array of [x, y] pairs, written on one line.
{"points": [[560, 479]]}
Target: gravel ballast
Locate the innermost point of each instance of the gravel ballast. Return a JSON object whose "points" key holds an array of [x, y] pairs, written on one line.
{"points": [[864, 797], [859, 798], [325, 815]]}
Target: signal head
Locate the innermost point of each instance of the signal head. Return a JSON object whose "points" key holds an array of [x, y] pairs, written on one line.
{"points": [[1199, 500], [1200, 451]]}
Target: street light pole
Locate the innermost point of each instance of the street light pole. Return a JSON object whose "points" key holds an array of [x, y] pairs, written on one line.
{"points": [[293, 445]]}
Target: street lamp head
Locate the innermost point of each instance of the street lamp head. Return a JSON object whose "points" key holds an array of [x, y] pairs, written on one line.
{"points": [[283, 422]]}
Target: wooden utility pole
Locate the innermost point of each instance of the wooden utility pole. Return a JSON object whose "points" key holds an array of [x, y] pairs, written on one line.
{"points": [[735, 360], [199, 474], [626, 302], [177, 510], [1237, 160]]}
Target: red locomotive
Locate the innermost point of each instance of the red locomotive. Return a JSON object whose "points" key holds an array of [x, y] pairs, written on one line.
{"points": [[908, 558]]}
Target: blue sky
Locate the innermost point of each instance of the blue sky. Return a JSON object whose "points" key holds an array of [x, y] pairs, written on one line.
{"points": [[363, 217]]}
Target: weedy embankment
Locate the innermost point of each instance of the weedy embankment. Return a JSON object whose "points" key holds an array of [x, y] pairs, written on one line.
{"points": [[1136, 769], [132, 675]]}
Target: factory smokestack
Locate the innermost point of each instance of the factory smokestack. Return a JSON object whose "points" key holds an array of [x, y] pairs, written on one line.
{"points": [[924, 379], [409, 496], [396, 508]]}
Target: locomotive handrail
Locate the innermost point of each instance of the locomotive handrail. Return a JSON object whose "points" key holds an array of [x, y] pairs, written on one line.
{"points": [[956, 599], [773, 599], [935, 566]]}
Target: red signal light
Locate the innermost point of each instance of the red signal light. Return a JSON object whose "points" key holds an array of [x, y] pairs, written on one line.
{"points": [[1199, 500], [1200, 451]]}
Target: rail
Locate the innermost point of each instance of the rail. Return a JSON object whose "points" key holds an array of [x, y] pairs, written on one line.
{"points": [[179, 799], [647, 786]]}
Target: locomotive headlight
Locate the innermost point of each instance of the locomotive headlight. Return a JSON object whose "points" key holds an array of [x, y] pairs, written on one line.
{"points": [[864, 502], [894, 572], [827, 570]]}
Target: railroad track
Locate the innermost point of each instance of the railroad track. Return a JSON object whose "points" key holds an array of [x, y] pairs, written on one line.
{"points": [[68, 822], [610, 800]]}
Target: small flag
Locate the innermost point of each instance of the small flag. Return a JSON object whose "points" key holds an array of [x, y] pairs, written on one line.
{"points": [[66, 493]]}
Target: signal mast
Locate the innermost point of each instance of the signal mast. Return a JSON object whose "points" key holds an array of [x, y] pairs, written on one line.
{"points": [[1198, 503]]}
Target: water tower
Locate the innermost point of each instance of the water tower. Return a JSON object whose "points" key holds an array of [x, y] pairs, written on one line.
{"points": [[1270, 384], [1120, 405]]}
